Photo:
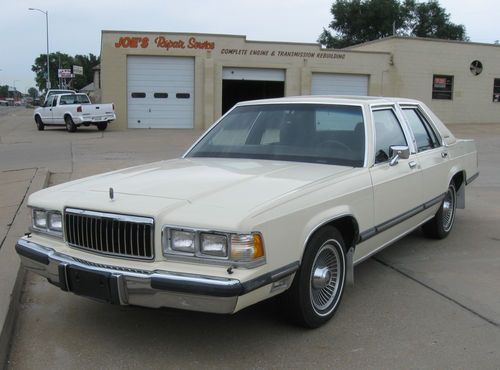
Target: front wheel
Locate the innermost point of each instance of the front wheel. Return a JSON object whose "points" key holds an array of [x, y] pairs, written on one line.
{"points": [[39, 123], [101, 126], [319, 284], [440, 226], [70, 125]]}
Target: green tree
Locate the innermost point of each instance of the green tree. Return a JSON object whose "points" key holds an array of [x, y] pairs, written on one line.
{"points": [[33, 92], [64, 61], [357, 21], [88, 63], [431, 20], [4, 91]]}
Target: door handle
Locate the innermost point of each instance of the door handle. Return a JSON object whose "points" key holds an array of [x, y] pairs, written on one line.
{"points": [[444, 154], [412, 164]]}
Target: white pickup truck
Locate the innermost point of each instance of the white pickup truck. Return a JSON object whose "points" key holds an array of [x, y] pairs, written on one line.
{"points": [[73, 110]]}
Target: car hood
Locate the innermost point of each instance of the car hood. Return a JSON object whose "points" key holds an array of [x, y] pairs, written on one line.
{"points": [[162, 186]]}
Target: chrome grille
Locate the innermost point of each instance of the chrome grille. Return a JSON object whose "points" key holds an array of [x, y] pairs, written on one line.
{"points": [[111, 234]]}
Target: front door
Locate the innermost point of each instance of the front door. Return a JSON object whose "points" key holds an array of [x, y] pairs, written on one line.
{"points": [[397, 187]]}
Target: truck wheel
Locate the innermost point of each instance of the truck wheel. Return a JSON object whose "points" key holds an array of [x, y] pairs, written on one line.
{"points": [[70, 125], [318, 286], [39, 123], [101, 126], [440, 226]]}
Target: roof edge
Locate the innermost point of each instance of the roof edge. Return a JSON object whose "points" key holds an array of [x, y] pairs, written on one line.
{"points": [[414, 38]]}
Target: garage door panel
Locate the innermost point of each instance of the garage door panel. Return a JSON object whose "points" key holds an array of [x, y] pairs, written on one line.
{"points": [[164, 75], [339, 84]]}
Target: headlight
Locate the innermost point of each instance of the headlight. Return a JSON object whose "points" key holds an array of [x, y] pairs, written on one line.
{"points": [[48, 222], [182, 241], [40, 219], [213, 244], [55, 221]]}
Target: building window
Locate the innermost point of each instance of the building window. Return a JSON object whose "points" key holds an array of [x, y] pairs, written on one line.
{"points": [[442, 87], [182, 95], [496, 90], [161, 95]]}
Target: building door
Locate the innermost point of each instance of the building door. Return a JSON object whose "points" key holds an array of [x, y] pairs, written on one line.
{"points": [[240, 84], [339, 84], [160, 92]]}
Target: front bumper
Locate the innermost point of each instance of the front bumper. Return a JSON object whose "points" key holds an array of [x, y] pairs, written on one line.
{"points": [[129, 286]]}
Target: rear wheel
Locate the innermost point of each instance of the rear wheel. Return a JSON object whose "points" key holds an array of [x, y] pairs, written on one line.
{"points": [[70, 125], [39, 123], [318, 286], [101, 126], [440, 226]]}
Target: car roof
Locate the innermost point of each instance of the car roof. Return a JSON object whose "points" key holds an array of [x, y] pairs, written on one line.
{"points": [[332, 99]]}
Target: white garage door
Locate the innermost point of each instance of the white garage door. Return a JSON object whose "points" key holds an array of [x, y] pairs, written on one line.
{"points": [[160, 92], [339, 84]]}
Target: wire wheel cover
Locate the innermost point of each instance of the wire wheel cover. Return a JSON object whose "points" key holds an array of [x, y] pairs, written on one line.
{"points": [[325, 278], [448, 210]]}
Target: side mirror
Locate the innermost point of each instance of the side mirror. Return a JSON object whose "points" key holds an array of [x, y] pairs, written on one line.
{"points": [[398, 152]]}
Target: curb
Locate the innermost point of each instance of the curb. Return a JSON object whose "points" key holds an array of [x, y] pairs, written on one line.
{"points": [[9, 265]]}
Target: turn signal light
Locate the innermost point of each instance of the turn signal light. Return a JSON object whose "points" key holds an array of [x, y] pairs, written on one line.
{"points": [[247, 247]]}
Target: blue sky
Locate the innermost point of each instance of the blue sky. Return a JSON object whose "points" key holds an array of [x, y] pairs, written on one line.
{"points": [[75, 26]]}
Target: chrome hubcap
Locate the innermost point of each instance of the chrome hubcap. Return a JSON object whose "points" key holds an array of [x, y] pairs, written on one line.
{"points": [[448, 210], [325, 278], [321, 277]]}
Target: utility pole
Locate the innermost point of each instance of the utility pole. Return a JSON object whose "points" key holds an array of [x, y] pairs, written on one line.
{"points": [[46, 12]]}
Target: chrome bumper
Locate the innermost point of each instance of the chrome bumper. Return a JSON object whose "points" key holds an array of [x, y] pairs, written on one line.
{"points": [[126, 286]]}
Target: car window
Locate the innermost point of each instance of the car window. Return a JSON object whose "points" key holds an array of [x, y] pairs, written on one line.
{"points": [[48, 102], [82, 99], [425, 137], [68, 99], [318, 133], [388, 132]]}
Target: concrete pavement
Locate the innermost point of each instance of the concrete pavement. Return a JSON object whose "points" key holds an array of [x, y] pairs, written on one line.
{"points": [[418, 304], [16, 187]]}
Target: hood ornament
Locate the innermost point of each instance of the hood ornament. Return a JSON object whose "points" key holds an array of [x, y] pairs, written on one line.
{"points": [[111, 193]]}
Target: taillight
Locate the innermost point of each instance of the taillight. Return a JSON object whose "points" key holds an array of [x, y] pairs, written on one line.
{"points": [[113, 106], [79, 109]]}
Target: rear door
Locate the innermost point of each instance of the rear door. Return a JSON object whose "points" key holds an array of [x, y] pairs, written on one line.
{"points": [[431, 154]]}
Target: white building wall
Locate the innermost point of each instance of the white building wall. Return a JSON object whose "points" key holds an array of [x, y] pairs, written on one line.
{"points": [[417, 60]]}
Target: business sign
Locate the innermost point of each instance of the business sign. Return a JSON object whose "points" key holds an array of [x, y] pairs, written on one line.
{"points": [[162, 42], [439, 82], [77, 70], [64, 73]]}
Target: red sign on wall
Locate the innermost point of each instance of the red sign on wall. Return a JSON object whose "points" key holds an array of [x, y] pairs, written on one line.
{"points": [[164, 43]]}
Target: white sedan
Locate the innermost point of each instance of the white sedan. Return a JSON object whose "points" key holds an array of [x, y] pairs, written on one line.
{"points": [[279, 197]]}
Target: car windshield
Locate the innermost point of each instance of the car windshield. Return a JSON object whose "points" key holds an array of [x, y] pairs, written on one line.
{"points": [[315, 133]]}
